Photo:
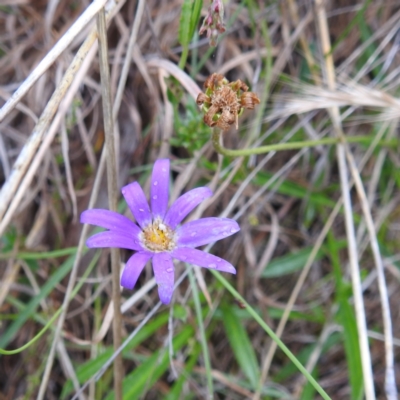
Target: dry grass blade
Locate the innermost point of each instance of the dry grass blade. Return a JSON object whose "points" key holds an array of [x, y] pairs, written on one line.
{"points": [[61, 45], [7, 193], [348, 94], [180, 75]]}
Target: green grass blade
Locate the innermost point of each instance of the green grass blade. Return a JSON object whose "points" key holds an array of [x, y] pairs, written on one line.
{"points": [[184, 30], [346, 317], [241, 346], [184, 23], [194, 18], [288, 264], [24, 255]]}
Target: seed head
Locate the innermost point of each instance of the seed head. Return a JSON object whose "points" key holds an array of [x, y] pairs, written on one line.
{"points": [[223, 101]]}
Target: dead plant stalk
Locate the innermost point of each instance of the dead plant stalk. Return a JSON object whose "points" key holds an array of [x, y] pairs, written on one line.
{"points": [[112, 181]]}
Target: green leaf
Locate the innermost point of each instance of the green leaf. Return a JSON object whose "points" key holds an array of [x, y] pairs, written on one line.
{"points": [[288, 264], [346, 317], [184, 23], [309, 391], [194, 18], [241, 346], [295, 190]]}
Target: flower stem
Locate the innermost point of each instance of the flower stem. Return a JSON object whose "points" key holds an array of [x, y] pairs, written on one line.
{"points": [[272, 335], [288, 146]]}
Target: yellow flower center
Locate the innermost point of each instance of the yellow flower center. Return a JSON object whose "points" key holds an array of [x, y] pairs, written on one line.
{"points": [[158, 237]]}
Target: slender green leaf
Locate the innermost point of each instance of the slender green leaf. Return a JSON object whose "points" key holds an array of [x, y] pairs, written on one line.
{"points": [[309, 391], [289, 263], [194, 18], [184, 23], [347, 318], [241, 346]]}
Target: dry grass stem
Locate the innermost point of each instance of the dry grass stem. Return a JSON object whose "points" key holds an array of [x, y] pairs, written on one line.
{"points": [[112, 179], [390, 381], [349, 223], [348, 94]]}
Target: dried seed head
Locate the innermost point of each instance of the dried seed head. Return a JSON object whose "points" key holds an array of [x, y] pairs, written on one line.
{"points": [[223, 102], [202, 98], [249, 100]]}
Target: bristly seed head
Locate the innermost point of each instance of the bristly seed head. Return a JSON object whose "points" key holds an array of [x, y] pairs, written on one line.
{"points": [[223, 101], [158, 237]]}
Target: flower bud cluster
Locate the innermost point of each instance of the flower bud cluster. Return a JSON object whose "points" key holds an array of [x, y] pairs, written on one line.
{"points": [[214, 22]]}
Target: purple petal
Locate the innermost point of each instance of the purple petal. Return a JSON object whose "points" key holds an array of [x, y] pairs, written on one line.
{"points": [[110, 220], [114, 239], [163, 268], [159, 188], [133, 268], [203, 259], [185, 204], [137, 203], [205, 230]]}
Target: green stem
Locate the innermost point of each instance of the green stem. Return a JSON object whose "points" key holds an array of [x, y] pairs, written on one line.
{"points": [[39, 255], [271, 333], [288, 146], [35, 338]]}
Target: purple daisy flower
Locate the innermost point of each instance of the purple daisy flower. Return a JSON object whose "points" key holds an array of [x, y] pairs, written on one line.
{"points": [[159, 236]]}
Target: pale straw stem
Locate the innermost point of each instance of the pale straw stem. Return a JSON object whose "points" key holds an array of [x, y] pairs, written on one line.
{"points": [[112, 181], [348, 214]]}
